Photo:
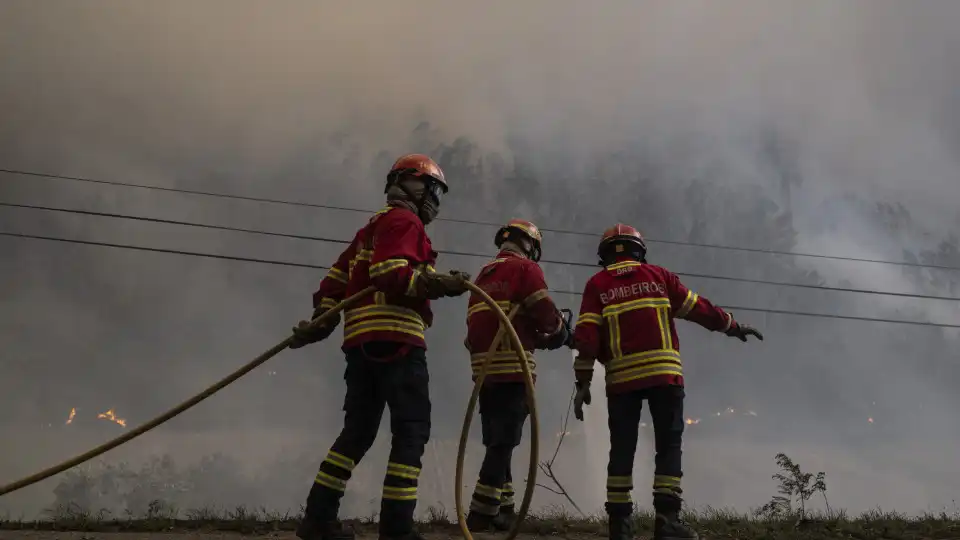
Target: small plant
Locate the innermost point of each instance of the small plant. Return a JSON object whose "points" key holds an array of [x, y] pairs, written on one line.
{"points": [[795, 486]]}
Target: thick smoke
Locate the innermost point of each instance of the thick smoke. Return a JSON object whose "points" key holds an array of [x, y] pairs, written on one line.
{"points": [[815, 127]]}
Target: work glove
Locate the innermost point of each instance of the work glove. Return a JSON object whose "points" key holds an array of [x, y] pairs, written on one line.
{"points": [[434, 286], [582, 398], [305, 332], [741, 331]]}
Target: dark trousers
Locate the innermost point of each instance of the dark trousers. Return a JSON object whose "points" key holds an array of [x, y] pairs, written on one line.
{"points": [[403, 385], [666, 411], [503, 411]]}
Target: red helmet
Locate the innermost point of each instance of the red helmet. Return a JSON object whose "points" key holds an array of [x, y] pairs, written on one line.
{"points": [[418, 165], [621, 239], [525, 228]]}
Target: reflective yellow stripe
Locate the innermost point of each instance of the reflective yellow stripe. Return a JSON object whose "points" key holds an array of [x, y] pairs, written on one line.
{"points": [[619, 309], [534, 298], [330, 481], [663, 481], [364, 255], [381, 325], [402, 471], [505, 305], [488, 491], [337, 275], [619, 497], [504, 363], [589, 318], [328, 303], [386, 266], [643, 358], [624, 264], [614, 330], [383, 310], [620, 482], [340, 460], [412, 284], [688, 304], [663, 315], [400, 493]]}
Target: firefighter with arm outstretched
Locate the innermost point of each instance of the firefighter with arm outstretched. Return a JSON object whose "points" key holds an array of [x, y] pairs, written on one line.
{"points": [[383, 340], [512, 278], [626, 322]]}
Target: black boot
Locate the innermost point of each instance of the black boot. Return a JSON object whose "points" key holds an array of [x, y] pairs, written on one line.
{"points": [[477, 522], [620, 527], [505, 519], [669, 526], [330, 530]]}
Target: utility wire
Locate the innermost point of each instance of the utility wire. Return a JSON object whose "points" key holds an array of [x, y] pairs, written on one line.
{"points": [[464, 253], [162, 250], [464, 221], [573, 293]]}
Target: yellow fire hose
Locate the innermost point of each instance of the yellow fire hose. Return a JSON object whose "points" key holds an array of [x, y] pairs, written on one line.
{"points": [[140, 430], [505, 327]]}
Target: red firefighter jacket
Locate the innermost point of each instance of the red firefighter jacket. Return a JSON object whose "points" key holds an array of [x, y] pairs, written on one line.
{"points": [[510, 279], [389, 253], [626, 322]]}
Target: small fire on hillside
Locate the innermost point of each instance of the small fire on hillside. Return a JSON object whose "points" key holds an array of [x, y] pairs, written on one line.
{"points": [[71, 416], [111, 416]]}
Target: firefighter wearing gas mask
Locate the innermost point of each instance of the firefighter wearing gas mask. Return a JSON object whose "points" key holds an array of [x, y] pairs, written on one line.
{"points": [[512, 278], [626, 322], [383, 340]]}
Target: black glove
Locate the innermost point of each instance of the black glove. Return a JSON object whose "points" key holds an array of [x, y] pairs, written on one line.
{"points": [[741, 331], [305, 332], [434, 286], [557, 339], [566, 316], [582, 398]]}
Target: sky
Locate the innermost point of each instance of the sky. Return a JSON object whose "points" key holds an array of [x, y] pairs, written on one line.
{"points": [[302, 100]]}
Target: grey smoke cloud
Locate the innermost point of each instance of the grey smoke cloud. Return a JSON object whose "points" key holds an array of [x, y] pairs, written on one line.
{"points": [[657, 113]]}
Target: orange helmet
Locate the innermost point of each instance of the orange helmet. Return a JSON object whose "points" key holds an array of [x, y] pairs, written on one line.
{"points": [[524, 228], [421, 166], [621, 239]]}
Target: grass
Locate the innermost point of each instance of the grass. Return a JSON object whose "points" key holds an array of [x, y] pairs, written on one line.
{"points": [[711, 523]]}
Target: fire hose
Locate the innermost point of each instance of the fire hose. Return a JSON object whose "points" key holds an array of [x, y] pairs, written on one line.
{"points": [[505, 327]]}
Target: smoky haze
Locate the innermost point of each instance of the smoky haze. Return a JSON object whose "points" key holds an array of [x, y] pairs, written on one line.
{"points": [[818, 127]]}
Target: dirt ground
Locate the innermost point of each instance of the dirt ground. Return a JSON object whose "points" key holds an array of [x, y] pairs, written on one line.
{"points": [[53, 535]]}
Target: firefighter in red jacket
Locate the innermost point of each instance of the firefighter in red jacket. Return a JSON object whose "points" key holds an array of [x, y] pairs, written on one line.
{"points": [[512, 278], [626, 322], [385, 350]]}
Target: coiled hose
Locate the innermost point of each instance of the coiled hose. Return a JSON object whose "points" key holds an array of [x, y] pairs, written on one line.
{"points": [[505, 327]]}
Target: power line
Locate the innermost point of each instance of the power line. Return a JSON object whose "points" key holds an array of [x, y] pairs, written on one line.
{"points": [[464, 221], [573, 293], [162, 250], [465, 253]]}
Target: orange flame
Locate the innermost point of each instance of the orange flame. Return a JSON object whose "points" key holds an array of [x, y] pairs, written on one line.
{"points": [[111, 416], [73, 413], [691, 421]]}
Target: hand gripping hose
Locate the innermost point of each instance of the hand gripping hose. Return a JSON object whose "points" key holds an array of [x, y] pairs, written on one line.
{"points": [[505, 327], [140, 430]]}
